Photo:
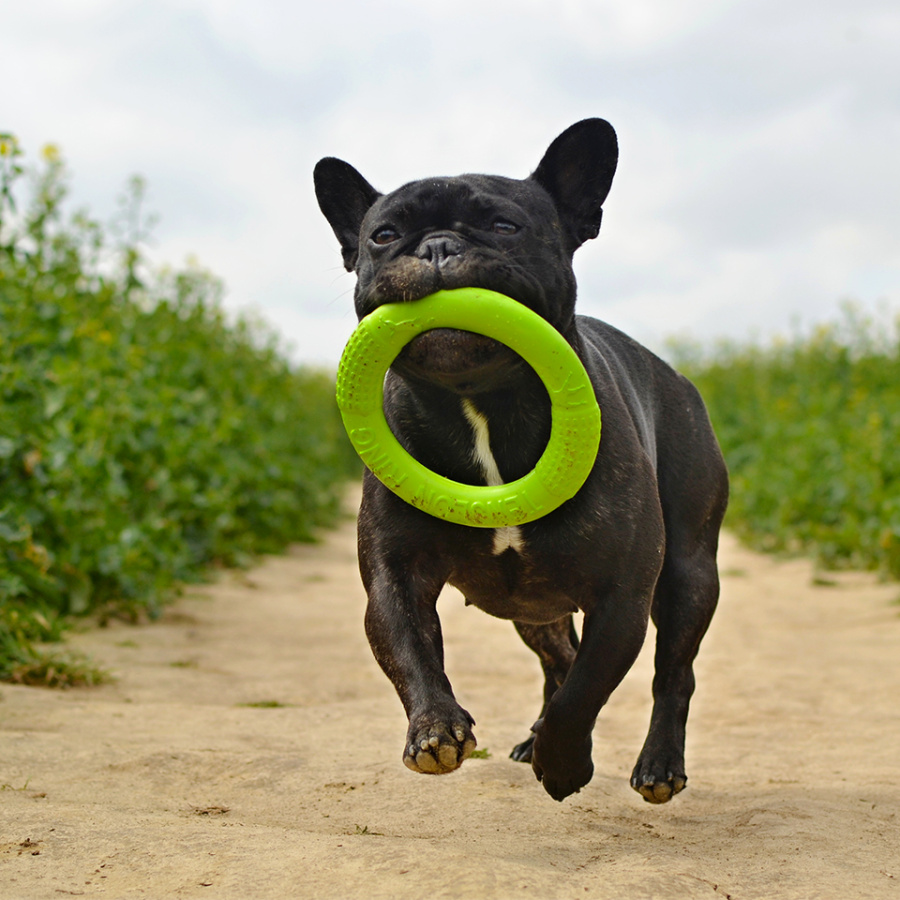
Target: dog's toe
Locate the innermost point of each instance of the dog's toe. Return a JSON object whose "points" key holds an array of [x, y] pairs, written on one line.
{"points": [[437, 749], [658, 788], [522, 752]]}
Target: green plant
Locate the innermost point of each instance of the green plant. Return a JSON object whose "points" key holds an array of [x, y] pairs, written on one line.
{"points": [[143, 435], [810, 428]]}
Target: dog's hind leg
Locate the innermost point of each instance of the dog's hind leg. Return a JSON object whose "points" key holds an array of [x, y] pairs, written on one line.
{"points": [[555, 645], [683, 605]]}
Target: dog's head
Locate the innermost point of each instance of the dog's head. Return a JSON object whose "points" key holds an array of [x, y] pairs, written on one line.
{"points": [[511, 236]]}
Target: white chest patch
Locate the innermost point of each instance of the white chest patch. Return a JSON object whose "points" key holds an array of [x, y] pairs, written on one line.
{"points": [[504, 538]]}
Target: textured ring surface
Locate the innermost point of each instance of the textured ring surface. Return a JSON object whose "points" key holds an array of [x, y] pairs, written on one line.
{"points": [[575, 431]]}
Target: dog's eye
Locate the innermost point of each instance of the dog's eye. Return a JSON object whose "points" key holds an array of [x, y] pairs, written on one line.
{"points": [[385, 236], [501, 226]]}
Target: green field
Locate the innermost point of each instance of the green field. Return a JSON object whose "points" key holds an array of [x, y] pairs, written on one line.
{"points": [[144, 437], [810, 428]]}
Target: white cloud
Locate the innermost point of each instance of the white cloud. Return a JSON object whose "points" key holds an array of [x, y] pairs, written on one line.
{"points": [[758, 177]]}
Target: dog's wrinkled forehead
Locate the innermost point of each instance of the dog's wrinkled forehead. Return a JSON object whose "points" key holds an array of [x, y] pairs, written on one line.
{"points": [[449, 202]]}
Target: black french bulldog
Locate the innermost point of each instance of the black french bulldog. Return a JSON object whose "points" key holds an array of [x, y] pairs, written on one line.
{"points": [[638, 540]]}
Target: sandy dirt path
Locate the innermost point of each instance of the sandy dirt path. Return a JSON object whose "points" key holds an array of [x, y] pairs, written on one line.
{"points": [[168, 784]]}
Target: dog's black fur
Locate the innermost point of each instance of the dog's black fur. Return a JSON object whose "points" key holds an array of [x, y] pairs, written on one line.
{"points": [[638, 540]]}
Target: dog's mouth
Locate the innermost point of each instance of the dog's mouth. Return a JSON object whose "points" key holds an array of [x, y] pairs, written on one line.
{"points": [[465, 362], [462, 361]]}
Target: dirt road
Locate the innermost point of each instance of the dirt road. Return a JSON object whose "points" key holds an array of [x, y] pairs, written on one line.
{"points": [[251, 749]]}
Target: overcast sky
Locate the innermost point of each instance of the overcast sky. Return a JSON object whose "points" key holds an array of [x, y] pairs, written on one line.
{"points": [[759, 174]]}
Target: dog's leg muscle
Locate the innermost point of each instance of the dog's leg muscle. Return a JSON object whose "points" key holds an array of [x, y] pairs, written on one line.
{"points": [[693, 502], [610, 643], [685, 600], [404, 632]]}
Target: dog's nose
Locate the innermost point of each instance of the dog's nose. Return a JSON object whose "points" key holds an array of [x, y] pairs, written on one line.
{"points": [[438, 248]]}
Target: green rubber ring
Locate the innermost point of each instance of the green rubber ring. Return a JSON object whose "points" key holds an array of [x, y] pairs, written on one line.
{"points": [[575, 430]]}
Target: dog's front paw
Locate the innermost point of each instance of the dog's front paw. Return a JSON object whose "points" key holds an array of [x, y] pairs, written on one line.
{"points": [[439, 746], [657, 781], [563, 765]]}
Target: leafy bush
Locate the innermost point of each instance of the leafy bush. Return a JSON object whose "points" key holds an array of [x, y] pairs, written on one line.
{"points": [[142, 436], [810, 429]]}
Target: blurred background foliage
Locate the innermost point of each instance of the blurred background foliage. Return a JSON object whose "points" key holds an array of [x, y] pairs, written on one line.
{"points": [[144, 436], [810, 428]]}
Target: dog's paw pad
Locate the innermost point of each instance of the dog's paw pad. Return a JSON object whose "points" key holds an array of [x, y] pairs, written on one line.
{"points": [[438, 749], [659, 790]]}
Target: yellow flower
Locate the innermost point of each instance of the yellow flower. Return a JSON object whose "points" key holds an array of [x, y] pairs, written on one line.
{"points": [[50, 153]]}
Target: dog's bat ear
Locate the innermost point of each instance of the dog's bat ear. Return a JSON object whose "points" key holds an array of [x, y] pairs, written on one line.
{"points": [[577, 171], [344, 197]]}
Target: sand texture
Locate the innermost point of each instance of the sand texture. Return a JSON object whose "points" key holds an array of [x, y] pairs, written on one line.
{"points": [[170, 784]]}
